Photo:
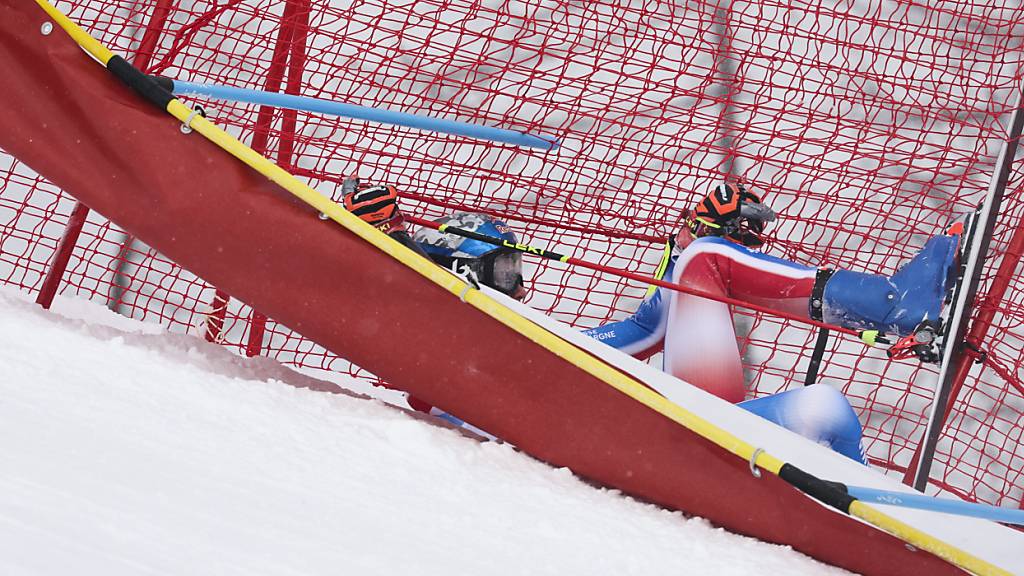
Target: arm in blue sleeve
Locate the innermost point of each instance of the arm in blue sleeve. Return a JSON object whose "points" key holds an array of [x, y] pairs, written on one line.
{"points": [[641, 334]]}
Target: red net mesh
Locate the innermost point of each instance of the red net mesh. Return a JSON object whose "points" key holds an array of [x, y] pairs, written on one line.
{"points": [[867, 127]]}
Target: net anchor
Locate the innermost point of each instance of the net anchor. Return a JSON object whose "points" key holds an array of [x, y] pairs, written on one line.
{"points": [[186, 127]]}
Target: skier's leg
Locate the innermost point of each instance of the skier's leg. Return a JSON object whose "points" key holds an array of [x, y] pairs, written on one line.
{"points": [[700, 342], [817, 412], [700, 347], [894, 305]]}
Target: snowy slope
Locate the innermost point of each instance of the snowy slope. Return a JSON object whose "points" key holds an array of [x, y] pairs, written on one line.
{"points": [[126, 450]]}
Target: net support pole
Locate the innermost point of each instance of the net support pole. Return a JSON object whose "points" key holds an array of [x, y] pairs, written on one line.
{"points": [[62, 255], [816, 356], [215, 318], [957, 362]]}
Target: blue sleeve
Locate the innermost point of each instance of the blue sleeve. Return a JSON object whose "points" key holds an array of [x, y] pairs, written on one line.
{"points": [[642, 333]]}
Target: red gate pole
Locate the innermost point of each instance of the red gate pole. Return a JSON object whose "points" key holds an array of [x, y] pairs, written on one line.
{"points": [[283, 51], [80, 212]]}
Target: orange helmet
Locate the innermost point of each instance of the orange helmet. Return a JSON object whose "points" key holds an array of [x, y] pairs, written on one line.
{"points": [[376, 205], [729, 210]]}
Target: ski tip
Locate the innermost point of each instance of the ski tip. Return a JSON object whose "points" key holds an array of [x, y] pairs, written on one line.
{"points": [[956, 228]]}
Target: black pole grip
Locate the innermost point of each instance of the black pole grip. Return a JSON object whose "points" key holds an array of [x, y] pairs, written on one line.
{"points": [[139, 82]]}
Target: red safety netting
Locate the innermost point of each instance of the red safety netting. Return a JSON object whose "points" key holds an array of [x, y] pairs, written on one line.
{"points": [[867, 128]]}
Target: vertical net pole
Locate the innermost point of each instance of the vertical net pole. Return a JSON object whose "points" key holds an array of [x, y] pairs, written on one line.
{"points": [[215, 319], [296, 65], [284, 52], [142, 61]]}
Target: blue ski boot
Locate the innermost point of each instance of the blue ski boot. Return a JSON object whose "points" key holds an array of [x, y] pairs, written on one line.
{"points": [[898, 304]]}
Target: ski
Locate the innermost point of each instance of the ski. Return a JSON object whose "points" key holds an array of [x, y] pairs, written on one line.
{"points": [[968, 230]]}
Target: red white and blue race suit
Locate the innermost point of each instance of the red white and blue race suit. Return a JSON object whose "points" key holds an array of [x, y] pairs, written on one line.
{"points": [[699, 340]]}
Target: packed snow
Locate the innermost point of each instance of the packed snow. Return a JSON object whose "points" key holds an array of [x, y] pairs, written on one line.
{"points": [[128, 450]]}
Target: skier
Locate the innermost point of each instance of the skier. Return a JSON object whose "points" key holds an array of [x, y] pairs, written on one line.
{"points": [[716, 253], [495, 266]]}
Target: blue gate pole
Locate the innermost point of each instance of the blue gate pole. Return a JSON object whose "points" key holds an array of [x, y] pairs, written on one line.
{"points": [[321, 106]]}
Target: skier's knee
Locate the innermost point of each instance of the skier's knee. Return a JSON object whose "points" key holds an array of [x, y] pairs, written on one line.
{"points": [[831, 410]]}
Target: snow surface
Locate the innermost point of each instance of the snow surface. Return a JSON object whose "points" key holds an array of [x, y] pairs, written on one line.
{"points": [[127, 450]]}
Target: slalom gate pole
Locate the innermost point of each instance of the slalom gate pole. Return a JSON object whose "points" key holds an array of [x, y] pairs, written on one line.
{"points": [[758, 459], [922, 502], [322, 106], [869, 337]]}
